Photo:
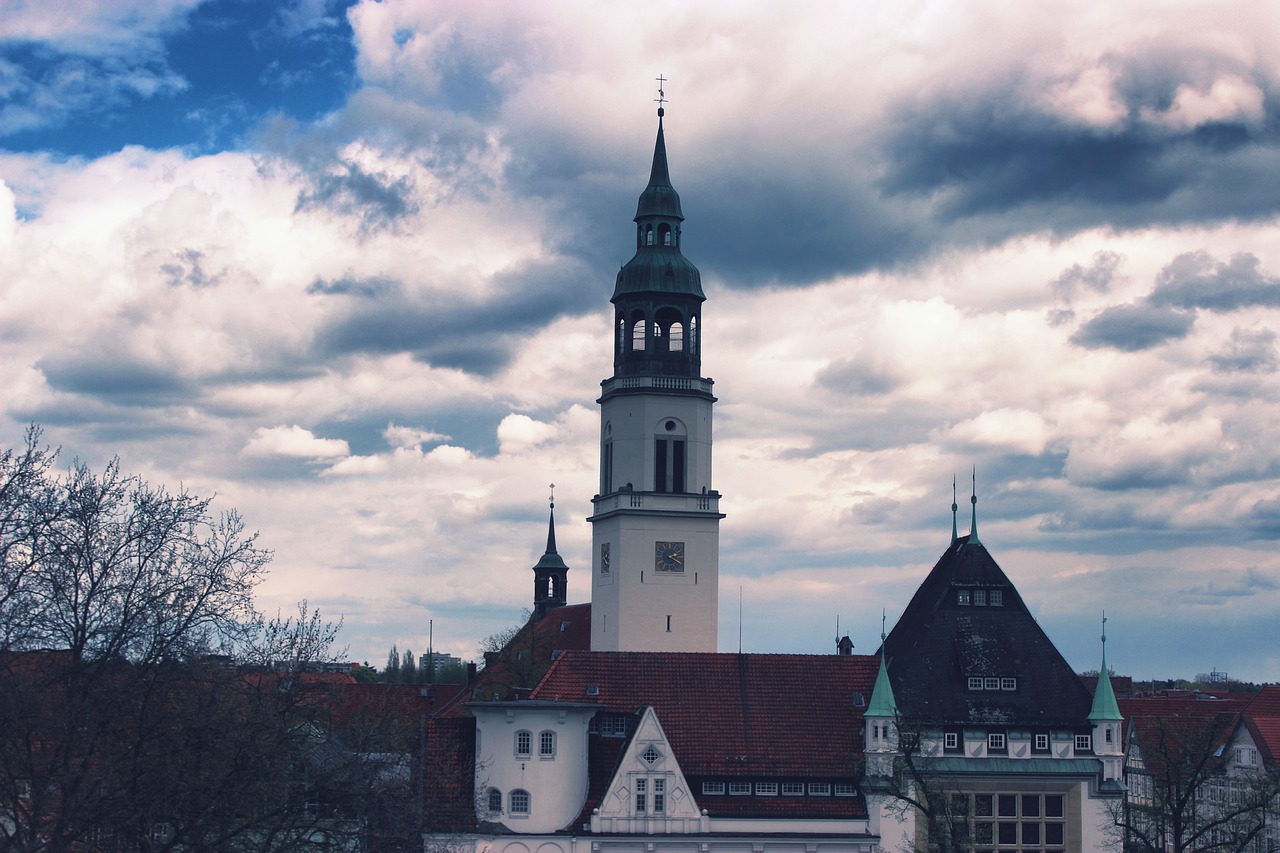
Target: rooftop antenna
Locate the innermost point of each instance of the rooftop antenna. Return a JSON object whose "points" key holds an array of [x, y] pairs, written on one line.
{"points": [[739, 618], [973, 525]]}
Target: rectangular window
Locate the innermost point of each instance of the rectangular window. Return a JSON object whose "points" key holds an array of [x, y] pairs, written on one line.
{"points": [[951, 740], [766, 789], [659, 796], [713, 788], [962, 596], [669, 465], [1041, 743], [793, 789], [1008, 684], [739, 789], [1053, 805], [995, 742], [547, 745], [997, 598], [524, 743], [990, 684], [606, 468], [845, 789], [642, 795], [980, 597], [1008, 804], [1084, 743], [975, 683], [819, 789]]}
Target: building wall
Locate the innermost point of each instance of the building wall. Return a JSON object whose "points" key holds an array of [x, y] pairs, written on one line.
{"points": [[556, 784]]}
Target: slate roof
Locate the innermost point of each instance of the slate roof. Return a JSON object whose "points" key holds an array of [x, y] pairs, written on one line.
{"points": [[938, 644], [730, 714]]}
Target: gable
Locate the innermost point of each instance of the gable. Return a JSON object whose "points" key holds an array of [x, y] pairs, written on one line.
{"points": [[648, 769]]}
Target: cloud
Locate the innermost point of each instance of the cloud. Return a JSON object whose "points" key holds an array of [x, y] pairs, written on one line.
{"points": [[1250, 351], [410, 438], [1196, 280], [376, 200], [294, 442], [1097, 277], [1134, 327]]}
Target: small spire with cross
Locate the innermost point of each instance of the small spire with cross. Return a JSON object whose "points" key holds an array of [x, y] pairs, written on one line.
{"points": [[662, 95], [552, 499]]}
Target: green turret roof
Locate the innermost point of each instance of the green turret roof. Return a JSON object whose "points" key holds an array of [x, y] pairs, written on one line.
{"points": [[1105, 706], [882, 704]]}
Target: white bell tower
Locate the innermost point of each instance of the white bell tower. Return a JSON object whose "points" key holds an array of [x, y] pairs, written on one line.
{"points": [[655, 529]]}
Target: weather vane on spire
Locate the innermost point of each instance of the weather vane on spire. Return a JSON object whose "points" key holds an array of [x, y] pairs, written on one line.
{"points": [[552, 499], [662, 95]]}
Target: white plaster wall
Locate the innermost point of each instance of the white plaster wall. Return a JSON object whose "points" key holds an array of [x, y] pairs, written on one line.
{"points": [[557, 786], [630, 610]]}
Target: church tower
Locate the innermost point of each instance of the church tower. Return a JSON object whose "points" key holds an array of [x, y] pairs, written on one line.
{"points": [[655, 529]]}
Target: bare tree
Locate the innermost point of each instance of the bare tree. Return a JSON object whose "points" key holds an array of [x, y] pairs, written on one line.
{"points": [[1184, 797], [915, 792], [145, 703]]}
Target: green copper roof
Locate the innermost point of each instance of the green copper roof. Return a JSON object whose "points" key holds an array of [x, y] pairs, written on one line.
{"points": [[551, 559], [659, 197], [881, 704], [659, 269], [1104, 698]]}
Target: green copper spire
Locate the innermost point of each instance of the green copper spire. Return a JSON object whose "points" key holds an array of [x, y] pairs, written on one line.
{"points": [[882, 703], [1104, 698]]}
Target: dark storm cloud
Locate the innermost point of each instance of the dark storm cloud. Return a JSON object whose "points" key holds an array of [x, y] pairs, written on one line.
{"points": [[1250, 351], [469, 335], [1196, 280], [1001, 161], [377, 200], [1134, 327], [1096, 277], [115, 377]]}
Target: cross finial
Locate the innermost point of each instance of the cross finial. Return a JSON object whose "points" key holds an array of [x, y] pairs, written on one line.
{"points": [[1104, 627], [955, 507], [552, 499], [662, 95], [882, 619], [973, 499]]}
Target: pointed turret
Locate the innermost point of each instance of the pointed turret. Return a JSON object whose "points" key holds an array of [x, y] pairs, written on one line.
{"points": [[879, 720], [1107, 722], [550, 575]]}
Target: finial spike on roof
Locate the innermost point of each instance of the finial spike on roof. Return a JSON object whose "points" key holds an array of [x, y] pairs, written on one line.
{"points": [[1104, 697], [955, 508], [973, 499], [882, 620], [551, 522]]}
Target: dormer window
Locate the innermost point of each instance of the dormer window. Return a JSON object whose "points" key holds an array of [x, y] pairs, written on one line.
{"points": [[997, 598], [980, 597], [962, 597], [651, 755]]}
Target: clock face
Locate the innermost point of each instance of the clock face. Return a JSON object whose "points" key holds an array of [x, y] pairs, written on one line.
{"points": [[668, 556], [604, 558]]}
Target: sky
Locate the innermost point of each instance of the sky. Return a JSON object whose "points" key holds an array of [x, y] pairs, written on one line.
{"points": [[346, 266]]}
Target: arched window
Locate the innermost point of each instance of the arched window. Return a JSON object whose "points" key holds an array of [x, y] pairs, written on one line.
{"points": [[675, 337], [693, 335], [547, 744], [524, 744], [637, 335], [519, 802], [622, 334], [648, 235], [495, 801], [664, 232]]}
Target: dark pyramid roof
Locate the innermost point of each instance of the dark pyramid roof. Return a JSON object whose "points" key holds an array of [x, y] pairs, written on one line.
{"points": [[659, 197], [939, 644]]}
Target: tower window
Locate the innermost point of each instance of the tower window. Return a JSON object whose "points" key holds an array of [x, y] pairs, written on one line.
{"points": [[637, 335], [606, 468], [693, 334], [675, 338], [664, 231], [669, 465], [648, 235]]}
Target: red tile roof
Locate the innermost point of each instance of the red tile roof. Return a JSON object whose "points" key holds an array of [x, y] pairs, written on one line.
{"points": [[1263, 718], [763, 716]]}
